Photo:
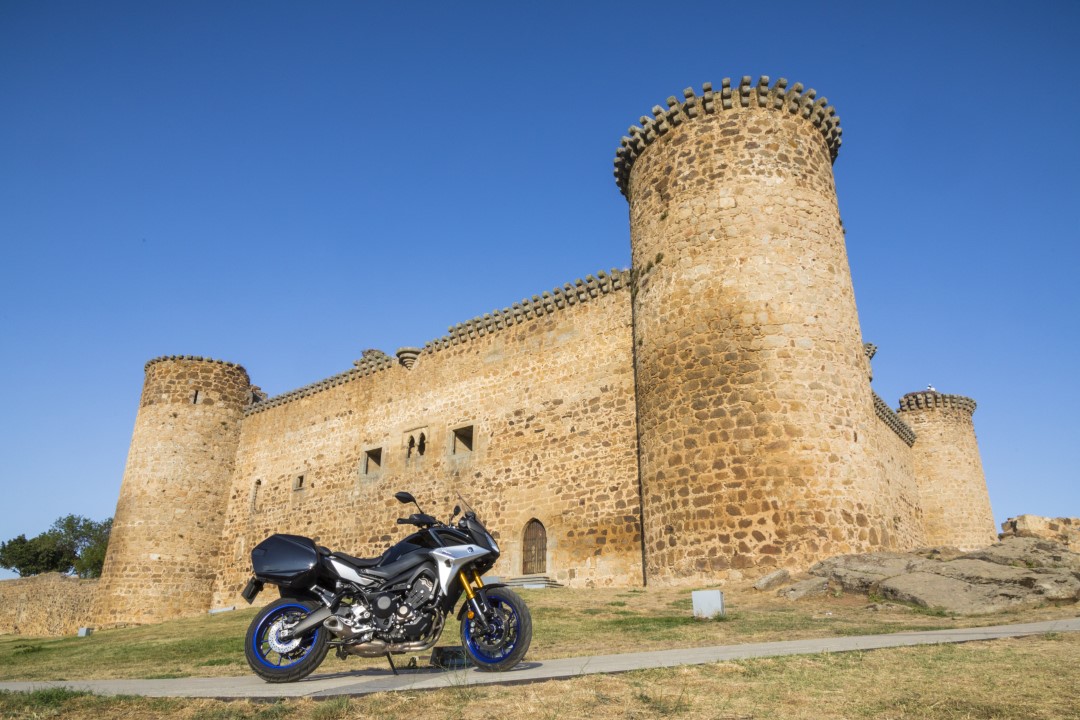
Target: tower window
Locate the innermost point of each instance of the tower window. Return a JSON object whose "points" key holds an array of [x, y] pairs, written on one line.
{"points": [[415, 441], [463, 441], [195, 398], [372, 461], [298, 482], [255, 495]]}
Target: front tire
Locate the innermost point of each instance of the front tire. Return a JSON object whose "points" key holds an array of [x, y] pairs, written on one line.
{"points": [[507, 640], [278, 661]]}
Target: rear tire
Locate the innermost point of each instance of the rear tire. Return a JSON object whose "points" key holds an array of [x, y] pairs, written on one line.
{"points": [[276, 661], [506, 643]]}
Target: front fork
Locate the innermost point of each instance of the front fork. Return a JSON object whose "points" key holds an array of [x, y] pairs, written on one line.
{"points": [[477, 609]]}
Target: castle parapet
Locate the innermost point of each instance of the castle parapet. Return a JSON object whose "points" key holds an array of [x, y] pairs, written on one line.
{"points": [[928, 399], [780, 98]]}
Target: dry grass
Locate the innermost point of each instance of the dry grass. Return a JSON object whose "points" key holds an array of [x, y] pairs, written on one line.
{"points": [[1033, 677], [567, 623]]}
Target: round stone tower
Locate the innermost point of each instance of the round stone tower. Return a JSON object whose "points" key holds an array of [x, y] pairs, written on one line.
{"points": [[167, 528], [948, 470], [751, 380]]}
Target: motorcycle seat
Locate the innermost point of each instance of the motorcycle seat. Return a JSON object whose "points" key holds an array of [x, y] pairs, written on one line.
{"points": [[358, 562]]}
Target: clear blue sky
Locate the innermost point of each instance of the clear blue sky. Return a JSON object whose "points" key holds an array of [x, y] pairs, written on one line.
{"points": [[286, 184]]}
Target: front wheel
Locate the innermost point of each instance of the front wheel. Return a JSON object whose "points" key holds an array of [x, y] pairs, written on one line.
{"points": [[507, 638], [276, 660]]}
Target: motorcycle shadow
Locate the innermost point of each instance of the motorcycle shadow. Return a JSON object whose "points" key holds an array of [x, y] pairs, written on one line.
{"points": [[411, 671]]}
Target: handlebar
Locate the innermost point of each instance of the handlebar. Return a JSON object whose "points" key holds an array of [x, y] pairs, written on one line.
{"points": [[419, 520]]}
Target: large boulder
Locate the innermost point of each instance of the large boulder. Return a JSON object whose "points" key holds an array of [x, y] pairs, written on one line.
{"points": [[1062, 529], [1029, 552], [862, 573], [1016, 572]]}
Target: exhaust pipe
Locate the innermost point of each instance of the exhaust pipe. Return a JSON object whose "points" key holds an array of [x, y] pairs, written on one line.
{"points": [[341, 630]]}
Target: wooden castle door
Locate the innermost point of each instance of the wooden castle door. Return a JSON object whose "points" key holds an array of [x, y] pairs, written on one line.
{"points": [[534, 560]]}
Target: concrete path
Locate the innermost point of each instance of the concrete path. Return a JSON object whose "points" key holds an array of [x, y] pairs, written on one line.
{"points": [[372, 680]]}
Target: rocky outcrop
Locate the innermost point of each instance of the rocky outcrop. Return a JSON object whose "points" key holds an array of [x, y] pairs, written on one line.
{"points": [[1016, 572], [1062, 529]]}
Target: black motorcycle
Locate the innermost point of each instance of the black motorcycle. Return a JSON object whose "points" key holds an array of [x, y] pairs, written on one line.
{"points": [[393, 604]]}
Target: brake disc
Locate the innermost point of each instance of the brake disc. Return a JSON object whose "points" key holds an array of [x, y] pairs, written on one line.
{"points": [[274, 639]]}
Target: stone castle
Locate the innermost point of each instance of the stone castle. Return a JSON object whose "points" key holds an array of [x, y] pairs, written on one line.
{"points": [[706, 415]]}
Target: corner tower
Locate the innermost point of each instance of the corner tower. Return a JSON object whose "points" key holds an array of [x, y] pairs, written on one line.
{"points": [[167, 528], [751, 377], [948, 470]]}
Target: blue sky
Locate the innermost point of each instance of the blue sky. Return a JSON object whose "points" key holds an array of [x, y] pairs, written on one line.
{"points": [[286, 184]]}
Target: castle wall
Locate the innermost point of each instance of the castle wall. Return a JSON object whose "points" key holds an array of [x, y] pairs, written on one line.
{"points": [[753, 398], [948, 470], [550, 399], [889, 442], [166, 533], [49, 605]]}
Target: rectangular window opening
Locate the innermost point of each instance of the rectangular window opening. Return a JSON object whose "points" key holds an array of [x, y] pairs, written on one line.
{"points": [[298, 483], [372, 461], [463, 440]]}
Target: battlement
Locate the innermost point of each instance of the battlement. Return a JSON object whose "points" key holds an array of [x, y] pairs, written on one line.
{"points": [[893, 421], [927, 399], [192, 358], [778, 97], [371, 363], [579, 291]]}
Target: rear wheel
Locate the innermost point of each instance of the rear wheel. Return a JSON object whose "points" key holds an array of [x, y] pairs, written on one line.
{"points": [[276, 660], [507, 638]]}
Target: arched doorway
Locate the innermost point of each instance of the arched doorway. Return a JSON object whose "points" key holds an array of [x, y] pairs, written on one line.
{"points": [[534, 557]]}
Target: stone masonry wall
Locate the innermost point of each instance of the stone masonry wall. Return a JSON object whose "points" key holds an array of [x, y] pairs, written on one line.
{"points": [[889, 442], [948, 469], [46, 605], [755, 407], [547, 388], [166, 533]]}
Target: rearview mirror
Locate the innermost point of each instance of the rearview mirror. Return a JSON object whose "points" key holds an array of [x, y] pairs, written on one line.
{"points": [[404, 498]]}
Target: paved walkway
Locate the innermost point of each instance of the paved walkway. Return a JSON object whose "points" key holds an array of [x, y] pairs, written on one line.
{"points": [[372, 680]]}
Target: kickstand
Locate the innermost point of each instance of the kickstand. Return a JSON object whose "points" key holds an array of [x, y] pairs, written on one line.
{"points": [[391, 661]]}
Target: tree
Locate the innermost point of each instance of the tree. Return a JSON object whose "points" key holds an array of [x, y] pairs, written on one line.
{"points": [[30, 557], [92, 554], [73, 543]]}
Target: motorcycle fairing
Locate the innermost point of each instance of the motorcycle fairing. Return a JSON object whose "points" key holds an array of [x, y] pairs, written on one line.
{"points": [[450, 560]]}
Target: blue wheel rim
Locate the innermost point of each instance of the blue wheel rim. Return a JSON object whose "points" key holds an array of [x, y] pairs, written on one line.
{"points": [[479, 644], [260, 643]]}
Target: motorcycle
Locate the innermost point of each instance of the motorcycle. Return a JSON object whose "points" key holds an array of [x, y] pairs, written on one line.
{"points": [[393, 604]]}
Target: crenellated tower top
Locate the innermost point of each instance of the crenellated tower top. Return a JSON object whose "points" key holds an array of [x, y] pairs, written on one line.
{"points": [[746, 94], [928, 399]]}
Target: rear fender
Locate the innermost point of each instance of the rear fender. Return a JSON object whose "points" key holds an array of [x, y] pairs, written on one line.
{"points": [[298, 594]]}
